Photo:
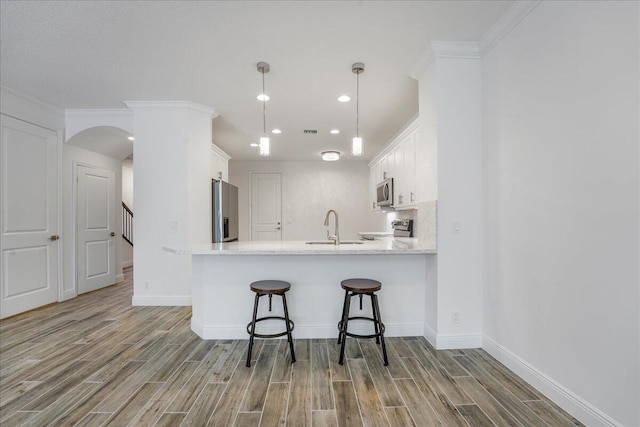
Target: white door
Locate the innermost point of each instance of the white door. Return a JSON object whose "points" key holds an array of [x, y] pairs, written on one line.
{"points": [[266, 206], [29, 216], [95, 229]]}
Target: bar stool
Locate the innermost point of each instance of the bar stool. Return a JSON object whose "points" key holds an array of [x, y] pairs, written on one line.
{"points": [[360, 287], [270, 287]]}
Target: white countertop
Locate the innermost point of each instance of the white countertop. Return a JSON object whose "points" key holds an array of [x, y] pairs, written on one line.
{"points": [[389, 245]]}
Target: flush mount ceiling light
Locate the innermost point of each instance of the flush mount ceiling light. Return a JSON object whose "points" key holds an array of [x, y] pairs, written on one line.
{"points": [[330, 156], [254, 144], [130, 138], [334, 131], [276, 131], [356, 147], [265, 150], [263, 97], [344, 98]]}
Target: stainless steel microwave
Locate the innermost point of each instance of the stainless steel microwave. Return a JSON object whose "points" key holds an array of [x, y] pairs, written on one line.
{"points": [[384, 193]]}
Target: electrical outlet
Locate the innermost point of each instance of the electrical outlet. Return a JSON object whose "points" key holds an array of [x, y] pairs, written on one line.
{"points": [[455, 318]]}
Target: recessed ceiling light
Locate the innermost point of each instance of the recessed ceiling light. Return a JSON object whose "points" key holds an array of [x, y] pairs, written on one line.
{"points": [[330, 156], [276, 131], [335, 131], [263, 97], [130, 138], [344, 98], [253, 144]]}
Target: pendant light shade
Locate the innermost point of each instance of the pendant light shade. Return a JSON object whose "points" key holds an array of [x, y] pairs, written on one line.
{"points": [[356, 146], [265, 149], [264, 146]]}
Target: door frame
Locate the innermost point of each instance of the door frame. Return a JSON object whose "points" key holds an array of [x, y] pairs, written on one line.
{"points": [[74, 220], [251, 173]]}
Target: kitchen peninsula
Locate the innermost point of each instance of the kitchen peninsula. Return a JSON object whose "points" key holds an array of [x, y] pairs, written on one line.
{"points": [[222, 301]]}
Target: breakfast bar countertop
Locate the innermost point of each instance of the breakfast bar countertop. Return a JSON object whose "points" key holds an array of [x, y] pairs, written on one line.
{"points": [[387, 245]]}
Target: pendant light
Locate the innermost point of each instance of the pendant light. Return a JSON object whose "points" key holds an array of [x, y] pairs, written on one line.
{"points": [[356, 147], [263, 68]]}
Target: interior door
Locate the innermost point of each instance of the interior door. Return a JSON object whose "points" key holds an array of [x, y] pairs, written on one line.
{"points": [[29, 216], [96, 240], [266, 206]]}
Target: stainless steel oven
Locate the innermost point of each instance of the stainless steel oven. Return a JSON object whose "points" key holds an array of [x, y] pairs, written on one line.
{"points": [[384, 193]]}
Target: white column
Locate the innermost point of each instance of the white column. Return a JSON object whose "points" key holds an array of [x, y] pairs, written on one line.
{"points": [[451, 128], [172, 175]]}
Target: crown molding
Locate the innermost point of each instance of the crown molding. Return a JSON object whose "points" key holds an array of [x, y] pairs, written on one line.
{"points": [[507, 22], [172, 104], [448, 49]]}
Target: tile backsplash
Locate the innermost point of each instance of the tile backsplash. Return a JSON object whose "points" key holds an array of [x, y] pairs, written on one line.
{"points": [[424, 222]]}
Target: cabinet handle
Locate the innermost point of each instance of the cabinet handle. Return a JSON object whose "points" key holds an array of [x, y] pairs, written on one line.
{"points": [[384, 175], [112, 234], [412, 196], [399, 199], [373, 205], [220, 175]]}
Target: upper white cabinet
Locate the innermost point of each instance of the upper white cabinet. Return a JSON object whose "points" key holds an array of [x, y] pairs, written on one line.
{"points": [[397, 160], [219, 164]]}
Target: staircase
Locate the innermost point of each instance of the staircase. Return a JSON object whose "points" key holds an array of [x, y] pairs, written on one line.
{"points": [[127, 224]]}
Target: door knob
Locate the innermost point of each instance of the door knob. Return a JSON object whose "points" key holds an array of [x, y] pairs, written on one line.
{"points": [[112, 234], [54, 237], [277, 228]]}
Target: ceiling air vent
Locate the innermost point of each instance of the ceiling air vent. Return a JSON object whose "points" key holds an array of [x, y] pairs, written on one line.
{"points": [[310, 131]]}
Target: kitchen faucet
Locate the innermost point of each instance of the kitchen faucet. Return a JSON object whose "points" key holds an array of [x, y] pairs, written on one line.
{"points": [[336, 236]]}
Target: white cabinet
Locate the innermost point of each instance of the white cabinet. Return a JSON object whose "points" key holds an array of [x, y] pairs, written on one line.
{"points": [[219, 164], [397, 160], [405, 188]]}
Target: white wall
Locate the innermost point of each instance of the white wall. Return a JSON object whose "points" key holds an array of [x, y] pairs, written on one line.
{"points": [[561, 132], [127, 198], [309, 190], [172, 192], [72, 156]]}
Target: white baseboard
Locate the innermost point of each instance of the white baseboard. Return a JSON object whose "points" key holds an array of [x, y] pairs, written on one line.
{"points": [[565, 398], [119, 278], [430, 336], [234, 332], [451, 342], [163, 300], [126, 264]]}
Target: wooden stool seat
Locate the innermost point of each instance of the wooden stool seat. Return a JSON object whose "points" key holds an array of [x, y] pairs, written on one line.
{"points": [[270, 286], [361, 285]]}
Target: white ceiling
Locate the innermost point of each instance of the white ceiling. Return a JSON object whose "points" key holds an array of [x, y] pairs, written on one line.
{"points": [[97, 54]]}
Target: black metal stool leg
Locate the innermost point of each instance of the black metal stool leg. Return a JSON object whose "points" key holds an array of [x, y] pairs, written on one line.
{"points": [[253, 328], [286, 321], [376, 308], [345, 323], [375, 319], [344, 304]]}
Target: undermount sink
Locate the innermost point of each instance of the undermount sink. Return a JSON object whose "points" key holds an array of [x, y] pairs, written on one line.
{"points": [[329, 242]]}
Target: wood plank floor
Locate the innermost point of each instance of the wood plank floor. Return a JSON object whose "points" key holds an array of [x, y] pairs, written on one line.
{"points": [[95, 361]]}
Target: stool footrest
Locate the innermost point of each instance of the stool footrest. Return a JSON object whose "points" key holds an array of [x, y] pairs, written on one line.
{"points": [[350, 334], [279, 334]]}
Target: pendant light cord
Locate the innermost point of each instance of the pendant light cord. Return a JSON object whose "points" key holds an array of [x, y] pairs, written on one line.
{"points": [[264, 108], [357, 100]]}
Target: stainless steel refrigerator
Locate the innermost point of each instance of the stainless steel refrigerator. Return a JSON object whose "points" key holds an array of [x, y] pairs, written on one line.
{"points": [[225, 211]]}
